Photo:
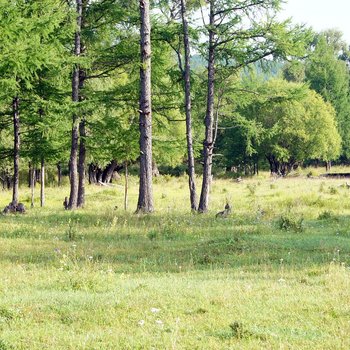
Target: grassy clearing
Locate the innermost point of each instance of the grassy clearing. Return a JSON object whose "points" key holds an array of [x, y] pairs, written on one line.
{"points": [[275, 275]]}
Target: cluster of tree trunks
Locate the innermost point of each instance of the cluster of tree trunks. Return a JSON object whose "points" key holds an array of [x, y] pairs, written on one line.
{"points": [[37, 176], [99, 175], [6, 179], [281, 168]]}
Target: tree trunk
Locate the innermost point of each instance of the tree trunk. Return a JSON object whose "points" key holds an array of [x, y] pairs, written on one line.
{"points": [[16, 147], [126, 186], [145, 200], [155, 170], [81, 165], [59, 174], [108, 172], [29, 174], [187, 77], [73, 196], [32, 185], [92, 173], [3, 180], [42, 183], [37, 176], [208, 141], [9, 180]]}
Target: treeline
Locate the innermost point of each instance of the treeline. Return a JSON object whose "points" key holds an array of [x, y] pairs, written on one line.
{"points": [[93, 86]]}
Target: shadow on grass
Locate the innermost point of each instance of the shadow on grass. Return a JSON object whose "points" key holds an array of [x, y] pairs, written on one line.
{"points": [[158, 243]]}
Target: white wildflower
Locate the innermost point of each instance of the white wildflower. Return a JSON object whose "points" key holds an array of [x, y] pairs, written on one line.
{"points": [[154, 310]]}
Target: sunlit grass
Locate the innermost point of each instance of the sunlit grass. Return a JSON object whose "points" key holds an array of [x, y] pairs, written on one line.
{"points": [[92, 279]]}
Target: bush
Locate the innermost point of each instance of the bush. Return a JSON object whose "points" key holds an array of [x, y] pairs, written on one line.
{"points": [[252, 189], [326, 215], [333, 190], [291, 222]]}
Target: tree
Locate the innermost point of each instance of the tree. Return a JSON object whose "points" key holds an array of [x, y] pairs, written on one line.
{"points": [[239, 33], [145, 200], [178, 38], [188, 109], [73, 161], [286, 123], [28, 46], [329, 76]]}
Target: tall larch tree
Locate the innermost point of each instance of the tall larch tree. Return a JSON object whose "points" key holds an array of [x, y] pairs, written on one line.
{"points": [[145, 199], [28, 46], [73, 161], [188, 109], [239, 33]]}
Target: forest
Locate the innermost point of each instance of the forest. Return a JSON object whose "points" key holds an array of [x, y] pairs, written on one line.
{"points": [[174, 175], [231, 89]]}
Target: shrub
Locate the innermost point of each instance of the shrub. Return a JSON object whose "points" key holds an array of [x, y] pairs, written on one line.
{"points": [[252, 189], [333, 190], [291, 222], [326, 215]]}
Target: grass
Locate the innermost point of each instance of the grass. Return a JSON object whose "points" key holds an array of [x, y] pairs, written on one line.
{"points": [[102, 278]]}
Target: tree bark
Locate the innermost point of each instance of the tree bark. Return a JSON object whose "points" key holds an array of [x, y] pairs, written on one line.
{"points": [[126, 186], [155, 170], [42, 183], [81, 165], [32, 185], [145, 200], [37, 176], [74, 182], [189, 138], [208, 141], [29, 174], [59, 174], [16, 148], [92, 173], [108, 172]]}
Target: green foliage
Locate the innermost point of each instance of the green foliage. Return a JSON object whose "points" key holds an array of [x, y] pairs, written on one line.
{"points": [[326, 215], [284, 122], [291, 222], [329, 76]]}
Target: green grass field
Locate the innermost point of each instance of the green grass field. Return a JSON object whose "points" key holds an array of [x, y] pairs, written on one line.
{"points": [[274, 275]]}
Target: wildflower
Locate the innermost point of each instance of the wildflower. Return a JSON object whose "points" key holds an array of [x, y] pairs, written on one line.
{"points": [[281, 280], [141, 322], [160, 322], [154, 310]]}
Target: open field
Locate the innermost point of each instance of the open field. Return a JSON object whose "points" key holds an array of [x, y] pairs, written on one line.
{"points": [[274, 275]]}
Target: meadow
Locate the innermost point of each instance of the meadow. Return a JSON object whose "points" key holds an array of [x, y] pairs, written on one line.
{"points": [[273, 275]]}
